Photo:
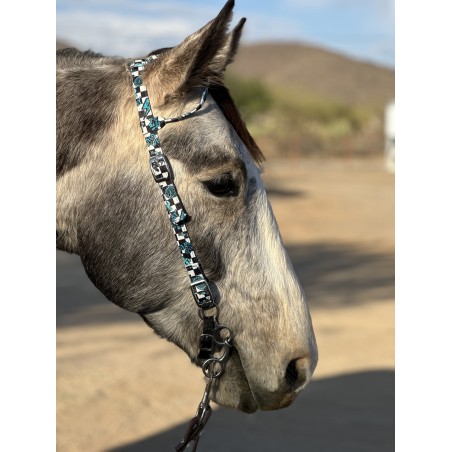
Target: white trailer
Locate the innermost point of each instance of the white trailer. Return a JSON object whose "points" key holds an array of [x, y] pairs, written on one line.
{"points": [[390, 136]]}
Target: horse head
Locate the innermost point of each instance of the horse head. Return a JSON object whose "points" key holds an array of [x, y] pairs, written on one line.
{"points": [[110, 212]]}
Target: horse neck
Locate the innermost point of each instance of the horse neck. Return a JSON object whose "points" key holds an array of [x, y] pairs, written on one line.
{"points": [[97, 139]]}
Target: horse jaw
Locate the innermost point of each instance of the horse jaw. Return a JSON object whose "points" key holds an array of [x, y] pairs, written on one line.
{"points": [[232, 390]]}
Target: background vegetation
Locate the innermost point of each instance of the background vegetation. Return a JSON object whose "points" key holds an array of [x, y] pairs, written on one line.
{"points": [[310, 101], [291, 123]]}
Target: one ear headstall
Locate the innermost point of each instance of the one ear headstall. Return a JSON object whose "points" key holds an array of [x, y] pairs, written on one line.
{"points": [[162, 173], [216, 339]]}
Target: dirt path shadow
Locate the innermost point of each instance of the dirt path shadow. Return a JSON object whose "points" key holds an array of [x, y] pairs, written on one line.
{"points": [[335, 275], [348, 413]]}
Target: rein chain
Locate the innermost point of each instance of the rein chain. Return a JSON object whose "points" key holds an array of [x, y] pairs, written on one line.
{"points": [[216, 339]]}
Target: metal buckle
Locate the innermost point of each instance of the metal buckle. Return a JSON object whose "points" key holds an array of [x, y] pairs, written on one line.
{"points": [[206, 346], [202, 294], [160, 167]]}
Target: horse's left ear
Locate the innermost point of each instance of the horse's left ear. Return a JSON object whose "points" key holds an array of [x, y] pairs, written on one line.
{"points": [[201, 59]]}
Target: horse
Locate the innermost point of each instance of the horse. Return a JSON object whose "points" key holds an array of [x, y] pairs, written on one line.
{"points": [[110, 212]]}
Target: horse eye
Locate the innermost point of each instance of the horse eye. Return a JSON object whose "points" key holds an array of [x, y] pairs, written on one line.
{"points": [[222, 186]]}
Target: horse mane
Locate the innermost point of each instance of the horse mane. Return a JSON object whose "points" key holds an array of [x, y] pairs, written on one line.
{"points": [[230, 111], [74, 58]]}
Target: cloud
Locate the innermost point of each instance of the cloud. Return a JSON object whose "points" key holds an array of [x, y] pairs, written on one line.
{"points": [[115, 34], [128, 28]]}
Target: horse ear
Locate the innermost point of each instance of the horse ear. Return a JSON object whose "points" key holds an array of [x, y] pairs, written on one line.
{"points": [[226, 56], [201, 59]]}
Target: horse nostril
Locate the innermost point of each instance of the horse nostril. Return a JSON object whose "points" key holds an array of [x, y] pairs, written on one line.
{"points": [[295, 372], [292, 373]]}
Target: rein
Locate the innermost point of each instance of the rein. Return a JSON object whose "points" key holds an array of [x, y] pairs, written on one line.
{"points": [[216, 340]]}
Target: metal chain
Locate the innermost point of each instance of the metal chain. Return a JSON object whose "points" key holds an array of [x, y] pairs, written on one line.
{"points": [[216, 343]]}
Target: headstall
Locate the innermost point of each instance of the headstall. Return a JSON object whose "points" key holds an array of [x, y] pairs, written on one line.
{"points": [[216, 339]]}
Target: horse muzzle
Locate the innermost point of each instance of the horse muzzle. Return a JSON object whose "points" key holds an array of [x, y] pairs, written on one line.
{"points": [[248, 391]]}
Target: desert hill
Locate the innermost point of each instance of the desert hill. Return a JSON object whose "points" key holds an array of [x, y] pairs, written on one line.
{"points": [[315, 70]]}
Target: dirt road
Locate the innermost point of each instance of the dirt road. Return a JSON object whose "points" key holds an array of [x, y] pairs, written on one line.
{"points": [[120, 387]]}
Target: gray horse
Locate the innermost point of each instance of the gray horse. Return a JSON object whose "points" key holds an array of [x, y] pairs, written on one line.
{"points": [[110, 212]]}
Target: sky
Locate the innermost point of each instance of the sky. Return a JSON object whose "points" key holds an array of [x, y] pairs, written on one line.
{"points": [[362, 29]]}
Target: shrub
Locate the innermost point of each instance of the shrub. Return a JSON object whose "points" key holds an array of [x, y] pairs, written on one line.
{"points": [[251, 96]]}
